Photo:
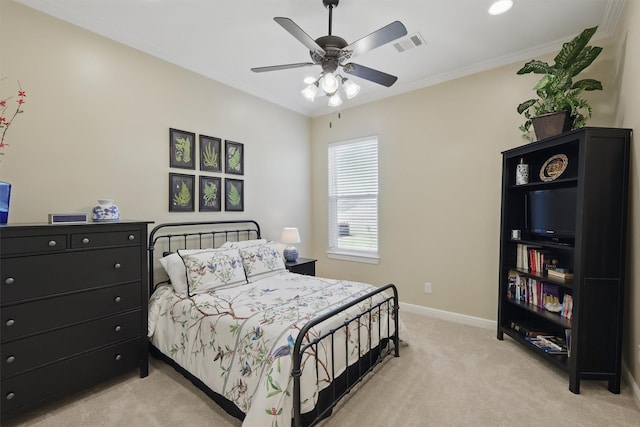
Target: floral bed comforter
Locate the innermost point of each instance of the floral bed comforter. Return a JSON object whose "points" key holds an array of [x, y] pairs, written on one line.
{"points": [[238, 340]]}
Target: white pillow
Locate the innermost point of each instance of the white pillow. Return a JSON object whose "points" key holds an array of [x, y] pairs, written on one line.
{"points": [[174, 266], [210, 269], [244, 243], [261, 261]]}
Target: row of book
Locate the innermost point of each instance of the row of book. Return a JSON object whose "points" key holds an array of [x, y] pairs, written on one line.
{"points": [[542, 339], [534, 258], [537, 260], [539, 293]]}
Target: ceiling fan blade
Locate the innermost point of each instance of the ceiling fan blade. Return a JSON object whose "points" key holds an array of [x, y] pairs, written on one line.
{"points": [[281, 67], [376, 39], [370, 74], [299, 34]]}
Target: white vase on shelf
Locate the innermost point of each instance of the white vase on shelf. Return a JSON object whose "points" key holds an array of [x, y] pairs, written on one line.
{"points": [[105, 211]]}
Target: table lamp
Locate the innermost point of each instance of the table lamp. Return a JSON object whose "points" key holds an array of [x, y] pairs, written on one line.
{"points": [[290, 236]]}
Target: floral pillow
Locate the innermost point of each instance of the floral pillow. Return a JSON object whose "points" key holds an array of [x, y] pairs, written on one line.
{"points": [[261, 261], [244, 243], [174, 266], [207, 270]]}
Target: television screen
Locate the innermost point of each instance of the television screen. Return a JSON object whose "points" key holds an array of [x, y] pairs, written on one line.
{"points": [[552, 212]]}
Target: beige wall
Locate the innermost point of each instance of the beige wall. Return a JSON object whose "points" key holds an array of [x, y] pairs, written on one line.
{"points": [[628, 115], [96, 125], [440, 177]]}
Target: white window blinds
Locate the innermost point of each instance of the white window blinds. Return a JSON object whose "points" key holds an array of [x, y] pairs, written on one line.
{"points": [[353, 198]]}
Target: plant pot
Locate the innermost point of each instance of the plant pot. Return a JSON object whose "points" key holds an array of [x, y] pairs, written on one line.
{"points": [[552, 124]]}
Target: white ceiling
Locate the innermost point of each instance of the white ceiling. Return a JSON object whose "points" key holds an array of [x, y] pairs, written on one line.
{"points": [[224, 39]]}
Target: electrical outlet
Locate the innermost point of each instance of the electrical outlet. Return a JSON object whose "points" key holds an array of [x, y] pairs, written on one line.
{"points": [[427, 288]]}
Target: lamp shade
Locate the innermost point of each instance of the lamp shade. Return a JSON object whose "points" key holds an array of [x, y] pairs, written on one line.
{"points": [[290, 235]]}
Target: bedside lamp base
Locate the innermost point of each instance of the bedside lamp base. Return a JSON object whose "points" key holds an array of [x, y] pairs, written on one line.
{"points": [[290, 253]]}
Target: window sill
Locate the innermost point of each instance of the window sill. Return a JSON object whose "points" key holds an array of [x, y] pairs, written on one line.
{"points": [[355, 257]]}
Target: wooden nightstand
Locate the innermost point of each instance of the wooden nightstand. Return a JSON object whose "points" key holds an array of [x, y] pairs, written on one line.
{"points": [[302, 266]]}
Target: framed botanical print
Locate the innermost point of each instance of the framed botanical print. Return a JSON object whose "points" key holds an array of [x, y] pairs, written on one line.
{"points": [[210, 158], [234, 157], [233, 195], [210, 194], [181, 192], [182, 146]]}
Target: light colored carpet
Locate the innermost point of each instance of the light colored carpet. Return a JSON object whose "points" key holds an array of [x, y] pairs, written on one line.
{"points": [[449, 375]]}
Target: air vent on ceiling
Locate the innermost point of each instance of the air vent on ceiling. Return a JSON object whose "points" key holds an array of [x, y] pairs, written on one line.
{"points": [[414, 40]]}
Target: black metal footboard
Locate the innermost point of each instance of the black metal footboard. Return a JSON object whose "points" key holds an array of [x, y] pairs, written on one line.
{"points": [[388, 304]]}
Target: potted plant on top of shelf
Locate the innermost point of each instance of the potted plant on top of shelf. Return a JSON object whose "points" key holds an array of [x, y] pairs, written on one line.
{"points": [[559, 97]]}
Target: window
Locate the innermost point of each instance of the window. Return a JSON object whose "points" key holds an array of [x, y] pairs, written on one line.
{"points": [[353, 200]]}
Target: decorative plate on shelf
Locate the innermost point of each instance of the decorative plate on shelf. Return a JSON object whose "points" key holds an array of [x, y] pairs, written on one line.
{"points": [[553, 167]]}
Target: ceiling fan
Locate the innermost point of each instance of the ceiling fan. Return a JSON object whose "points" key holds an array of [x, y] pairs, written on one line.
{"points": [[331, 52]]}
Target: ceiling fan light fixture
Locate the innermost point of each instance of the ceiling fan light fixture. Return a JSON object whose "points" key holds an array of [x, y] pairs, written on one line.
{"points": [[329, 84], [335, 100], [309, 80], [310, 91], [351, 88], [500, 6]]}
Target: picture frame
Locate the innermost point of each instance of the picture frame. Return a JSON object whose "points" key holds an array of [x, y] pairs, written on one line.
{"points": [[234, 157], [210, 154], [181, 192], [233, 195], [182, 146], [210, 190]]}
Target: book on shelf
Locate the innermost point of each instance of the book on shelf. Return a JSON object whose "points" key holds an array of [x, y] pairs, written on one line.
{"points": [[526, 330], [559, 274], [549, 344], [567, 306]]}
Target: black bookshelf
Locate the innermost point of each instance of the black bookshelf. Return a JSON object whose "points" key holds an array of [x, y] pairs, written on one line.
{"points": [[598, 169]]}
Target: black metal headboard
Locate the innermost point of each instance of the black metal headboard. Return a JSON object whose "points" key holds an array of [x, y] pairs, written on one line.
{"points": [[171, 236]]}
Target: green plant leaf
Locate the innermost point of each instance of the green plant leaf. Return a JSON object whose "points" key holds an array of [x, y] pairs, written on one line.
{"points": [[183, 198], [571, 50], [525, 105], [234, 160], [234, 196], [587, 84], [537, 67]]}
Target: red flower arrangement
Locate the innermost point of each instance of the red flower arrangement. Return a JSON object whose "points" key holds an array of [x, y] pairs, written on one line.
{"points": [[4, 122]]}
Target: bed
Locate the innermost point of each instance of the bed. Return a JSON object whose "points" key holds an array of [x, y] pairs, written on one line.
{"points": [[271, 347]]}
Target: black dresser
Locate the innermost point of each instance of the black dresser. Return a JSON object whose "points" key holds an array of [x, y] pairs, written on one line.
{"points": [[73, 303]]}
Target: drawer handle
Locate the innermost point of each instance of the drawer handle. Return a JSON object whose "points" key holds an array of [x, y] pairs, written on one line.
{"points": [[10, 395], [11, 359], [118, 328], [118, 356], [117, 299], [132, 237], [52, 243], [9, 280], [85, 240], [10, 322], [117, 265]]}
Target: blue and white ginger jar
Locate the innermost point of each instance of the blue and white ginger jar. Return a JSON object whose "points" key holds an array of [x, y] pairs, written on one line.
{"points": [[105, 211]]}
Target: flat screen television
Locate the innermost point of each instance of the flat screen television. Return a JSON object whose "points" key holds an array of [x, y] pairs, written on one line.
{"points": [[552, 213]]}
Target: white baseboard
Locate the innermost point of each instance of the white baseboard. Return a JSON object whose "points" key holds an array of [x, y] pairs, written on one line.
{"points": [[492, 324], [449, 315], [635, 390]]}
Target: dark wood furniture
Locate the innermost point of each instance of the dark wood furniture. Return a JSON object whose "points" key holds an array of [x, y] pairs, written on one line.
{"points": [[598, 168], [170, 237], [74, 309], [302, 266]]}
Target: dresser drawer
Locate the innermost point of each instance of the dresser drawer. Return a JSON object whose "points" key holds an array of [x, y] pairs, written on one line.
{"points": [[96, 240], [43, 275], [37, 350], [44, 315], [39, 386], [34, 244]]}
